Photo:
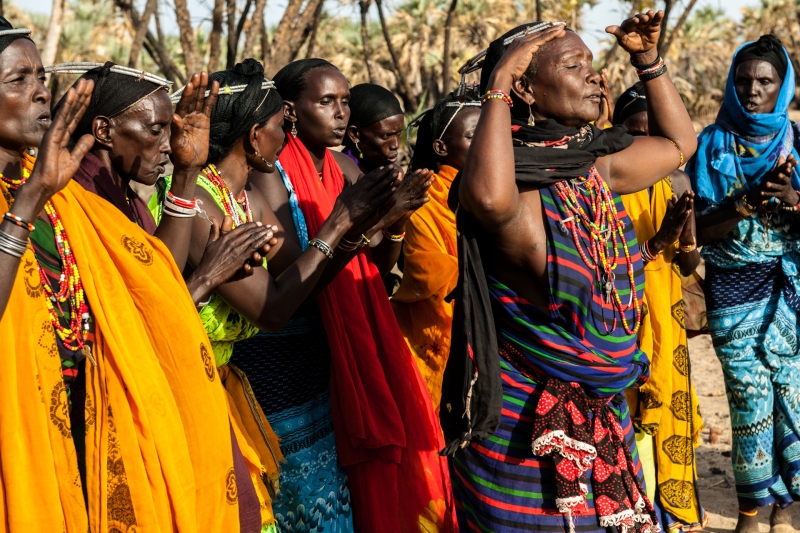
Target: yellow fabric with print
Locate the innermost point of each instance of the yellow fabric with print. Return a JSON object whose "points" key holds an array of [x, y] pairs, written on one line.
{"points": [[666, 407], [156, 417], [430, 273]]}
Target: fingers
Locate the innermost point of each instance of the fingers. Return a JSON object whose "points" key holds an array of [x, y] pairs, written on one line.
{"points": [[81, 148], [213, 232], [185, 104], [211, 101], [68, 117], [200, 94]]}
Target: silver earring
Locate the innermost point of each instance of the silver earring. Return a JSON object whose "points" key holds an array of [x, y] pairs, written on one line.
{"points": [[294, 129], [360, 154], [261, 157], [531, 120]]}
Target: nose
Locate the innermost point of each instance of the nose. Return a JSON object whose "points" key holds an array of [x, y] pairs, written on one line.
{"points": [[166, 148], [594, 77], [394, 142], [41, 94], [341, 110]]}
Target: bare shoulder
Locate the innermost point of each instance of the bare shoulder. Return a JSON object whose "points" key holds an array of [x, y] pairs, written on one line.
{"points": [[349, 169], [681, 182]]}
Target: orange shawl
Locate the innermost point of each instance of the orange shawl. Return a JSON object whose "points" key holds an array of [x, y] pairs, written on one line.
{"points": [[429, 275], [163, 461]]}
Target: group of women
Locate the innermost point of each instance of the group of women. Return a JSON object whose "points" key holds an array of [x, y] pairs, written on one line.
{"points": [[224, 357]]}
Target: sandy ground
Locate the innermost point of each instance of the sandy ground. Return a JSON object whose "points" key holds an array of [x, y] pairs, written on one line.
{"points": [[717, 492]]}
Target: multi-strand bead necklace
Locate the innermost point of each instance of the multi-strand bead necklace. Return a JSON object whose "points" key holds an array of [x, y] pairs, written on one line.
{"points": [[70, 290], [605, 233], [227, 197]]}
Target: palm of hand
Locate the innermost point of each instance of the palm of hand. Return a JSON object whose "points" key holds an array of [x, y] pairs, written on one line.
{"points": [[189, 140], [641, 39]]}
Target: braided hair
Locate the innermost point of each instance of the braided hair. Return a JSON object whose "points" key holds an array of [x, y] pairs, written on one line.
{"points": [[433, 124], [236, 112]]}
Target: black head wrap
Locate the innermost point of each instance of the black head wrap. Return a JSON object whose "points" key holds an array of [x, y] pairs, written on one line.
{"points": [[629, 103], [768, 48], [371, 103], [113, 94], [432, 125], [235, 113], [291, 79], [9, 38]]}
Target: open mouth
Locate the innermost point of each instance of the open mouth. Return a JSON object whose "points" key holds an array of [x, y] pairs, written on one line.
{"points": [[44, 119], [339, 132]]}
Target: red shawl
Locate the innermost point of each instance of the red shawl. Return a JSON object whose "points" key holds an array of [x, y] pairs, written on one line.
{"points": [[386, 432]]}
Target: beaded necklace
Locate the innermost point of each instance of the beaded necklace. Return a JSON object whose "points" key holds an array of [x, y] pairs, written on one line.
{"points": [[605, 232], [70, 290], [227, 198]]}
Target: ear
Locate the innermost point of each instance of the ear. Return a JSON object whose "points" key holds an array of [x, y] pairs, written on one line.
{"points": [[523, 89], [101, 127], [252, 138], [352, 132], [440, 148], [289, 111]]}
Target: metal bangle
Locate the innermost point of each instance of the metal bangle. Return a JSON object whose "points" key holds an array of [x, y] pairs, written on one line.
{"points": [[11, 245], [322, 246]]}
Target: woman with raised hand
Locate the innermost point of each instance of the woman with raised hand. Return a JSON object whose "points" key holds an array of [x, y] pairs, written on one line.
{"points": [[385, 431], [246, 135], [99, 421], [430, 254]]}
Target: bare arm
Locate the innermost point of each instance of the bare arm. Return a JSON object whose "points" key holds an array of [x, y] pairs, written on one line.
{"points": [[666, 114], [189, 142], [54, 168]]}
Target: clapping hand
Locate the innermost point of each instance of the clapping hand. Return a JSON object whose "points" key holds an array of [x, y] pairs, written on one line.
{"points": [[777, 185], [606, 102], [191, 124], [676, 225]]}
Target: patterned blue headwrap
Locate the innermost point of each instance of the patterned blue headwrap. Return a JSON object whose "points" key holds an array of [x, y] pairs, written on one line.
{"points": [[736, 153]]}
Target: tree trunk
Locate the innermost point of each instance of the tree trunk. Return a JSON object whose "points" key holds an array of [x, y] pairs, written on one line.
{"points": [[447, 76], [678, 25], [50, 48], [141, 32], [215, 38], [159, 43], [254, 31], [230, 59], [668, 5], [2, 11], [409, 99], [188, 41], [264, 43], [241, 23], [364, 5], [293, 30], [538, 10], [312, 39]]}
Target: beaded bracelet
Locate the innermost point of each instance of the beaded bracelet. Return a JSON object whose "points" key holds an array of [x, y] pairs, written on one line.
{"points": [[743, 208], [394, 238], [499, 95], [17, 221], [322, 246], [649, 69], [688, 248], [678, 148], [647, 256], [180, 202]]}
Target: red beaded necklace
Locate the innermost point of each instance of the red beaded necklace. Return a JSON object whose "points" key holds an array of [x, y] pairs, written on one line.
{"points": [[70, 290], [605, 232], [228, 199]]}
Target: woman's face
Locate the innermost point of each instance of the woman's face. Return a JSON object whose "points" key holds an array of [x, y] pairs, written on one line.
{"points": [[637, 124], [566, 87], [138, 139], [323, 108], [24, 98], [378, 142], [455, 143], [758, 86], [268, 139]]}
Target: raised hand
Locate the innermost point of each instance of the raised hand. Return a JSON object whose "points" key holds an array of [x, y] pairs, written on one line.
{"points": [[409, 196], [361, 205], [191, 123], [639, 35], [517, 58], [56, 164], [606, 102]]}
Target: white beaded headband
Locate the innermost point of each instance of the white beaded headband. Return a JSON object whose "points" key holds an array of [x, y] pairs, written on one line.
{"points": [[16, 31], [230, 89], [460, 106], [82, 67]]}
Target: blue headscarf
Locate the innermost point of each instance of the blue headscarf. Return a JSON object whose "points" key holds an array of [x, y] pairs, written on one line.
{"points": [[737, 152]]}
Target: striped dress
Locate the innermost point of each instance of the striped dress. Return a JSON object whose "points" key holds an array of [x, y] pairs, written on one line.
{"points": [[499, 484]]}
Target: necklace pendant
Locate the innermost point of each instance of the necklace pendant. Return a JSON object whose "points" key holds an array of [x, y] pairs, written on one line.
{"points": [[87, 352]]}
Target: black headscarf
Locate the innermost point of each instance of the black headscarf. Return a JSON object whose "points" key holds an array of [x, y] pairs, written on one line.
{"points": [[113, 94], [371, 103], [631, 102], [6, 40], [234, 114], [768, 48], [291, 79], [474, 349]]}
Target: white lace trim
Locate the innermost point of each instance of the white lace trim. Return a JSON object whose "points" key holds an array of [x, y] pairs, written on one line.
{"points": [[565, 505], [553, 438], [616, 519]]}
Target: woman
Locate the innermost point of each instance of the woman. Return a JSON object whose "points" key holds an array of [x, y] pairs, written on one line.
{"points": [[385, 434], [746, 179], [374, 129], [118, 442], [246, 134], [430, 254], [663, 217], [548, 302]]}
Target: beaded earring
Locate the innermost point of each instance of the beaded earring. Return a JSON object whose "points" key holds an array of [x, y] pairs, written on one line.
{"points": [[294, 129], [261, 157], [531, 120], [360, 153]]}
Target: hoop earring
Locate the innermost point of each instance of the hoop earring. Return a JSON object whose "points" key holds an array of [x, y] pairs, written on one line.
{"points": [[531, 120], [294, 129], [360, 154], [261, 157]]}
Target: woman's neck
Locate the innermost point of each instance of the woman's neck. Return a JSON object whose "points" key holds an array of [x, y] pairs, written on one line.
{"points": [[234, 171], [105, 158], [10, 163], [317, 153]]}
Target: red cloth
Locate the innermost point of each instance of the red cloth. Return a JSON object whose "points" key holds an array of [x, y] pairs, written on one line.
{"points": [[386, 432]]}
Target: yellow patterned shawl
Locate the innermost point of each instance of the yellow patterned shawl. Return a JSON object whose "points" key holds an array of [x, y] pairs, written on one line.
{"points": [[429, 275], [666, 407], [163, 463]]}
